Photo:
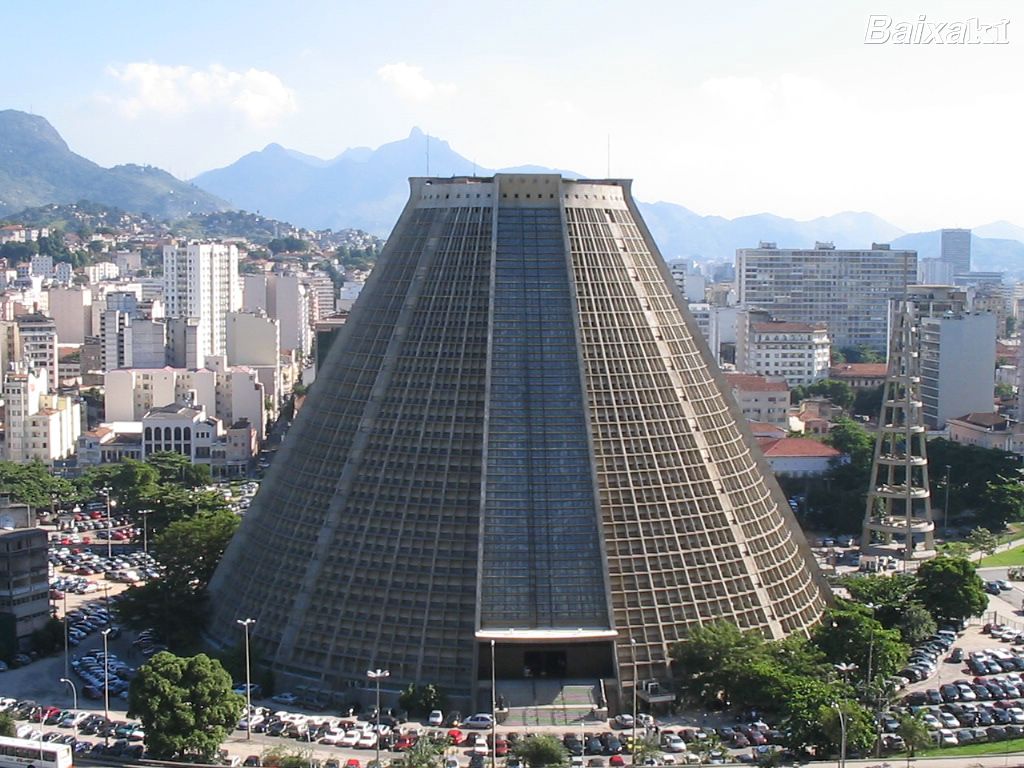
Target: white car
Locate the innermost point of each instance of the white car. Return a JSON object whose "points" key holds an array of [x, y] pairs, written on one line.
{"points": [[946, 738], [368, 740], [673, 743], [931, 722], [332, 737], [351, 739], [1016, 715], [948, 720], [436, 718], [623, 721], [285, 698], [481, 720]]}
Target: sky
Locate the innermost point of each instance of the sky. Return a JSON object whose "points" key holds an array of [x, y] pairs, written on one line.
{"points": [[729, 108]]}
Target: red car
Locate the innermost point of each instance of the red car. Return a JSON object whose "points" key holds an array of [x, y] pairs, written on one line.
{"points": [[455, 736], [501, 748], [405, 742], [351, 763], [616, 760]]}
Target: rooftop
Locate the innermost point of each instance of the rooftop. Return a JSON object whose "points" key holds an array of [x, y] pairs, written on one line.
{"points": [[853, 370], [797, 447], [753, 382], [993, 421], [779, 325]]}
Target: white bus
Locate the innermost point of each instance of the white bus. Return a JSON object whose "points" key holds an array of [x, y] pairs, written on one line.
{"points": [[23, 753]]}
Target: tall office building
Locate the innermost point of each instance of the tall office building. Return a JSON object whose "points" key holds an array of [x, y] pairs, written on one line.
{"points": [[201, 283], [848, 290], [518, 438], [956, 249]]}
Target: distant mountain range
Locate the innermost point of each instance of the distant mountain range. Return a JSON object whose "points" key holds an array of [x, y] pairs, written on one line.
{"points": [[366, 189], [36, 168]]}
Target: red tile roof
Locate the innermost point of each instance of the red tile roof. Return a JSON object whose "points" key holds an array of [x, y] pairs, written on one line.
{"points": [[797, 447], [854, 370]]}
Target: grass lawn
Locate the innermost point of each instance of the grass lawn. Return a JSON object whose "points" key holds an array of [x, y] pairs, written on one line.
{"points": [[1004, 559], [985, 748]]}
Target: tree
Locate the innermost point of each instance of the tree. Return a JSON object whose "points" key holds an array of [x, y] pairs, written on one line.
{"points": [[49, 637], [859, 722], [704, 660], [868, 402], [850, 438], [982, 540], [33, 484], [421, 699], [916, 624], [425, 753], [1002, 501], [804, 714], [132, 483], [7, 725], [950, 588], [175, 605], [848, 634], [914, 732], [286, 757], [540, 750], [176, 469], [645, 747], [186, 705], [1003, 391]]}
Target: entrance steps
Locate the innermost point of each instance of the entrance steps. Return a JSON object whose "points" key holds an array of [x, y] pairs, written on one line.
{"points": [[540, 701]]}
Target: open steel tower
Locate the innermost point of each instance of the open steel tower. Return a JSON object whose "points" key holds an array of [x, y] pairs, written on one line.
{"points": [[897, 518], [518, 437]]}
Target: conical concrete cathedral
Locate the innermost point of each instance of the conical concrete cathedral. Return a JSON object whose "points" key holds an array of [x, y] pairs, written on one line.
{"points": [[518, 437]]}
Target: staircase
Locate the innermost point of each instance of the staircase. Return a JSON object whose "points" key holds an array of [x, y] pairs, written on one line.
{"points": [[539, 702]]}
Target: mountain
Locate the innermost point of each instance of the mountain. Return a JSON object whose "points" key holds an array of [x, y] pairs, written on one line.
{"points": [[1000, 230], [37, 168], [988, 254], [367, 188]]}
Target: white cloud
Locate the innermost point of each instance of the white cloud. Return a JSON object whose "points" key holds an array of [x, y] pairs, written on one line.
{"points": [[410, 83], [258, 95]]}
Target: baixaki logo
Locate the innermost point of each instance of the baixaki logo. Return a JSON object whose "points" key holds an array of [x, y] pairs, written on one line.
{"points": [[882, 29]]}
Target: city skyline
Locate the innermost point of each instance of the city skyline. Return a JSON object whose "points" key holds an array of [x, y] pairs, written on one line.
{"points": [[767, 109]]}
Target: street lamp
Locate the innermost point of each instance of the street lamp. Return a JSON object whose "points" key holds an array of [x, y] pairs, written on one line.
{"points": [[106, 679], [945, 513], [246, 623], [110, 528], [494, 713], [67, 672], [842, 734], [845, 668], [144, 513], [632, 647], [74, 704], [377, 675]]}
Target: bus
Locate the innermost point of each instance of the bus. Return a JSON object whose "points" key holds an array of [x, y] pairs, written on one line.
{"points": [[25, 753]]}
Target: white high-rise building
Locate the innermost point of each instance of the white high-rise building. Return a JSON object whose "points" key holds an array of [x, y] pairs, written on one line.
{"points": [[848, 290], [201, 283]]}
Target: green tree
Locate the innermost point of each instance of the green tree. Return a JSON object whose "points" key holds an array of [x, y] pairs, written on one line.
{"points": [[33, 484], [185, 705], [848, 634], [916, 624], [49, 637], [982, 540], [7, 725], [189, 549], [860, 727], [868, 402], [425, 753], [705, 659], [804, 711], [541, 749], [644, 747], [914, 732], [1003, 391], [175, 469], [286, 757], [852, 439], [950, 588], [421, 699], [132, 483], [1001, 502]]}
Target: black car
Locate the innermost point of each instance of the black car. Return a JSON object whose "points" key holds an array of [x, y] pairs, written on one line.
{"points": [[454, 719]]}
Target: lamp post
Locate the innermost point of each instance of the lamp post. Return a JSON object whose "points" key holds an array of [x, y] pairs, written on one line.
{"points": [[945, 511], [842, 734], [66, 639], [74, 704], [144, 513], [246, 623], [106, 681], [845, 668], [632, 647], [494, 713], [110, 528], [377, 675]]}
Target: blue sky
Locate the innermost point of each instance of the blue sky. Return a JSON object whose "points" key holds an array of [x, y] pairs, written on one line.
{"points": [[730, 109]]}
